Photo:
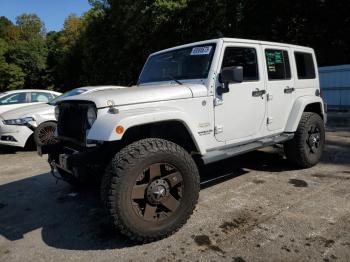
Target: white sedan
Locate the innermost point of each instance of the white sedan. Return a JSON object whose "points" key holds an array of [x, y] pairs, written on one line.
{"points": [[18, 126], [18, 98]]}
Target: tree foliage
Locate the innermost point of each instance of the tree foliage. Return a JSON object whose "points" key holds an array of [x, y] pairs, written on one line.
{"points": [[23, 53], [110, 42]]}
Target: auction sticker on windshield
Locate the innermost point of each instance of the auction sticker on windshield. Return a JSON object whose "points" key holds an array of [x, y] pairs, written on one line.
{"points": [[201, 50]]}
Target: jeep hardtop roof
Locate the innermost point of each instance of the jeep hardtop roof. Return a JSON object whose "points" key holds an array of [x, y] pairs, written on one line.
{"points": [[237, 40]]}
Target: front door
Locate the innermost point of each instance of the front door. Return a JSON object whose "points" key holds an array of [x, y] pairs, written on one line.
{"points": [[280, 87], [240, 113], [13, 101]]}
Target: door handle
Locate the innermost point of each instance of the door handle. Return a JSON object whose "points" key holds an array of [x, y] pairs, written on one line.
{"points": [[289, 90], [258, 93]]}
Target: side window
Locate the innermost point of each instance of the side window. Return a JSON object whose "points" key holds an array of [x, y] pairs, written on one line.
{"points": [[278, 66], [12, 99], [245, 57], [41, 97], [305, 65]]}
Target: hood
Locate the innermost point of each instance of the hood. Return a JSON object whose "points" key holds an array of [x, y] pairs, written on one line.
{"points": [[89, 89], [141, 94], [28, 110]]}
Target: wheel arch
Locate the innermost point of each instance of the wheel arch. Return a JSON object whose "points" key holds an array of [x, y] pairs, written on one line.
{"points": [[44, 122], [47, 121], [29, 142], [167, 123], [315, 107], [301, 105], [172, 130]]}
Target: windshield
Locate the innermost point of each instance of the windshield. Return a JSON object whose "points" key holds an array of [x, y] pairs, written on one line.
{"points": [[73, 92], [185, 63]]}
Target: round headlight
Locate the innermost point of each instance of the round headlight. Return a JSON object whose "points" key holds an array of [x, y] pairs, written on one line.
{"points": [[91, 115], [57, 112]]}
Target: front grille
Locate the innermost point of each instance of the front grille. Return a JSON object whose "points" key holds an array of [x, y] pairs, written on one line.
{"points": [[72, 121]]}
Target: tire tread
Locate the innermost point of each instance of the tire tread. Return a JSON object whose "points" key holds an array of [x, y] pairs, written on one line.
{"points": [[294, 149], [127, 159]]}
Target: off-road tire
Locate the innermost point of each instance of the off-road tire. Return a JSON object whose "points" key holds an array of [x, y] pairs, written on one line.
{"points": [[297, 150], [118, 182], [44, 133]]}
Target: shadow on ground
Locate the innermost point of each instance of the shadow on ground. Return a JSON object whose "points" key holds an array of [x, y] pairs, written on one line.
{"points": [[14, 150], [74, 220], [69, 219]]}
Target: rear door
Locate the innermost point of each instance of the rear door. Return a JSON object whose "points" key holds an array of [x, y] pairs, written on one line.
{"points": [[279, 86], [41, 97]]}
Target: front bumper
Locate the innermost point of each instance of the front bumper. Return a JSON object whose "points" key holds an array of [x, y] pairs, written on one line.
{"points": [[12, 135], [69, 159]]}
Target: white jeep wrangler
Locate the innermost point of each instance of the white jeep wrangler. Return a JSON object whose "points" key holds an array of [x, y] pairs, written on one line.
{"points": [[207, 101]]}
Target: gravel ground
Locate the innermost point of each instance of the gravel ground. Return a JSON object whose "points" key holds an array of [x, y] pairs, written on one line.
{"points": [[255, 207]]}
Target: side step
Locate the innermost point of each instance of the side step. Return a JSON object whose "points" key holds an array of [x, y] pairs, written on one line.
{"points": [[220, 154]]}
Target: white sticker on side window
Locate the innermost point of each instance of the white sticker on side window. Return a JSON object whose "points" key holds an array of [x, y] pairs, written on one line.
{"points": [[201, 50]]}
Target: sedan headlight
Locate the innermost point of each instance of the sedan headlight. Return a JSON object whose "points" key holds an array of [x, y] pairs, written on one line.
{"points": [[91, 115], [57, 112], [19, 121]]}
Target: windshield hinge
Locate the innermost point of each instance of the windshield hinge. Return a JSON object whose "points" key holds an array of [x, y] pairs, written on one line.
{"points": [[269, 120], [218, 101], [218, 129]]}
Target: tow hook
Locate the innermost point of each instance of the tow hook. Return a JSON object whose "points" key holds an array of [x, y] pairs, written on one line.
{"points": [[52, 171]]}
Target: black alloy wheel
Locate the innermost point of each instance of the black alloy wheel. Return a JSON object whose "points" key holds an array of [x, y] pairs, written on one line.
{"points": [[157, 192], [150, 189]]}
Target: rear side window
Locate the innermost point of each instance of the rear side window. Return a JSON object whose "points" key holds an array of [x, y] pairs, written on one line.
{"points": [[278, 66], [305, 65], [245, 57], [41, 97]]}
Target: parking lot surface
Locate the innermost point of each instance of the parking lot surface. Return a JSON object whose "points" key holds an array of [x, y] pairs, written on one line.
{"points": [[255, 207]]}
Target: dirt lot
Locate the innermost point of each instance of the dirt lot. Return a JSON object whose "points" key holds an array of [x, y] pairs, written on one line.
{"points": [[259, 208]]}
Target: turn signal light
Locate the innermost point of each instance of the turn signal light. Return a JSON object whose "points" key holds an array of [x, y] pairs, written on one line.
{"points": [[119, 130]]}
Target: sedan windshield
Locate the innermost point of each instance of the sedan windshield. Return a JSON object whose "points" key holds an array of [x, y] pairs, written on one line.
{"points": [[185, 63]]}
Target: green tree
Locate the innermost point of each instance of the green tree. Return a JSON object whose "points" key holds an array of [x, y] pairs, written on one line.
{"points": [[30, 52], [31, 27], [110, 42], [11, 75], [64, 53]]}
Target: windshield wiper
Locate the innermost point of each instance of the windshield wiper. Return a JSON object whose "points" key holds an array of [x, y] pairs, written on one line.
{"points": [[173, 78]]}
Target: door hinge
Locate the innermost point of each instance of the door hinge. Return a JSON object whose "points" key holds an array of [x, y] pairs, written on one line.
{"points": [[269, 120], [269, 97], [218, 101], [218, 129]]}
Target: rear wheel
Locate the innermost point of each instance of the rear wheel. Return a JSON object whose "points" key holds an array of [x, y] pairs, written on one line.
{"points": [[150, 189], [305, 149]]}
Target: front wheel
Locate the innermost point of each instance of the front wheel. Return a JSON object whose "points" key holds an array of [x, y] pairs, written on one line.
{"points": [[44, 134], [305, 149], [150, 189]]}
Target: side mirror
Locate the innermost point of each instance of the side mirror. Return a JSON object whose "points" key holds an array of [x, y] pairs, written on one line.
{"points": [[232, 74]]}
